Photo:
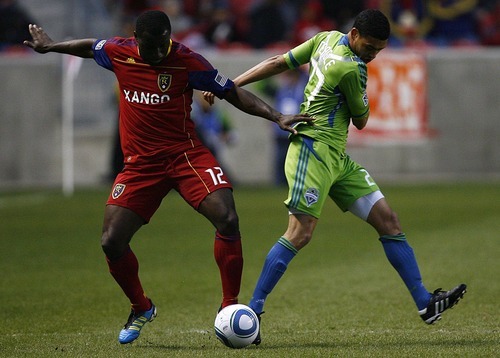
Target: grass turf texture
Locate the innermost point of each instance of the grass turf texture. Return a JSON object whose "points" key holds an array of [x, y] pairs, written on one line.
{"points": [[339, 298]]}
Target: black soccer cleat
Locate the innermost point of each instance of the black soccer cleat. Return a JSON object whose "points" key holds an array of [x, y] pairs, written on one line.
{"points": [[440, 302], [257, 339]]}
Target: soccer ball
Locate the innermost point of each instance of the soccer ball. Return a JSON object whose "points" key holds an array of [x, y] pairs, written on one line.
{"points": [[236, 326]]}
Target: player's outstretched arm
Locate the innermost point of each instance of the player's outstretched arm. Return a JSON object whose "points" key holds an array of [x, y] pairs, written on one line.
{"points": [[267, 68], [42, 43], [251, 104]]}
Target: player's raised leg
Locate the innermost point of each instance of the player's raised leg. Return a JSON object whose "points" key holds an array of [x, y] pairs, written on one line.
{"points": [[402, 258]]}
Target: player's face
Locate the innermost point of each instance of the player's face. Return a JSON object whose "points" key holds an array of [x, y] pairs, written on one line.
{"points": [[366, 47], [154, 49]]}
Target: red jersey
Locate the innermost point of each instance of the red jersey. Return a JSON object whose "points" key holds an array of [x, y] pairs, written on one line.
{"points": [[155, 101]]}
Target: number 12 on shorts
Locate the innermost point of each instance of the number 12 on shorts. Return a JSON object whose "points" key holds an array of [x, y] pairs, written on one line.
{"points": [[216, 173]]}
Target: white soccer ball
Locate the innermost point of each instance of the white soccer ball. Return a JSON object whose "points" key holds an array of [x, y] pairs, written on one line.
{"points": [[236, 326]]}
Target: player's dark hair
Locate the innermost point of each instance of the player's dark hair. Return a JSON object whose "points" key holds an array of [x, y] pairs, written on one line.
{"points": [[374, 23], [153, 22]]}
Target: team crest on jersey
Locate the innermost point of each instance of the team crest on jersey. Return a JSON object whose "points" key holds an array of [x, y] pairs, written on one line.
{"points": [[311, 196], [118, 190], [164, 81]]}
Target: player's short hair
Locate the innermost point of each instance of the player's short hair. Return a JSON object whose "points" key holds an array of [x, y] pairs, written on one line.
{"points": [[153, 22], [374, 23]]}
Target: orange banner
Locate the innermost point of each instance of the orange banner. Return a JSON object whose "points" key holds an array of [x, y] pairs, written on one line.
{"points": [[397, 91]]}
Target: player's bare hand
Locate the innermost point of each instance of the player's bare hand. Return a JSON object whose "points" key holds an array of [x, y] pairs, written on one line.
{"points": [[40, 41], [287, 120], [209, 97]]}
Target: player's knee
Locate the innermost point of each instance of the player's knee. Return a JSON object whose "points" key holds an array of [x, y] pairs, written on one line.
{"points": [[111, 245], [229, 223], [392, 223], [299, 241], [305, 240], [106, 244]]}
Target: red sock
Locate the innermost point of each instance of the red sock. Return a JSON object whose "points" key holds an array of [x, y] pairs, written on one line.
{"points": [[125, 271], [229, 258]]}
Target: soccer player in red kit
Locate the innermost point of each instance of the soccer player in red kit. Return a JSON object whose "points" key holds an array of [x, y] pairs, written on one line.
{"points": [[161, 150]]}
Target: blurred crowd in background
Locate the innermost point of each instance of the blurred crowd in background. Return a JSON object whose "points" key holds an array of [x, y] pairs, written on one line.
{"points": [[270, 24], [257, 24]]}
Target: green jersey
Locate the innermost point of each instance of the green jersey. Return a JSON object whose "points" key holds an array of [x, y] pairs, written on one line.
{"points": [[336, 91]]}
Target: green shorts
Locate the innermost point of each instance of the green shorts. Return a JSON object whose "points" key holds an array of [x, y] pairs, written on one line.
{"points": [[315, 170]]}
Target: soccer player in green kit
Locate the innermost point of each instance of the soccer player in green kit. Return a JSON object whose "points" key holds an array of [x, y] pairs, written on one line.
{"points": [[317, 166]]}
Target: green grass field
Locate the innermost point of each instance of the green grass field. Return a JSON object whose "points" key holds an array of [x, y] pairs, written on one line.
{"points": [[339, 298]]}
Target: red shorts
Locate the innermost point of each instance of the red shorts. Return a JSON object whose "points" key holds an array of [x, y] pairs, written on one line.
{"points": [[194, 174]]}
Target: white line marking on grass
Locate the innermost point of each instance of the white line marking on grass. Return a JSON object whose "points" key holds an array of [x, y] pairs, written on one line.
{"points": [[196, 330]]}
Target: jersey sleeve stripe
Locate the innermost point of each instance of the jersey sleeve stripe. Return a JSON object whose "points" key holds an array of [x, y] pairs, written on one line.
{"points": [[293, 60]]}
